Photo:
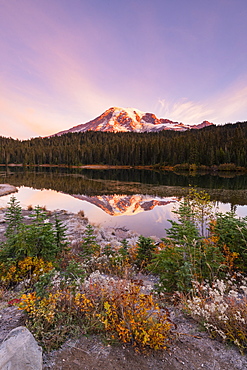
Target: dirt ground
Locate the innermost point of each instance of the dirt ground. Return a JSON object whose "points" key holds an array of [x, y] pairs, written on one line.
{"points": [[192, 350]]}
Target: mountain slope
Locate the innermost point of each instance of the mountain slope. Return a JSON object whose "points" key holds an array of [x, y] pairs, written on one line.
{"points": [[126, 120]]}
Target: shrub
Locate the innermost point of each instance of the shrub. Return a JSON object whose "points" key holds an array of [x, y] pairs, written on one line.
{"points": [[201, 209], [231, 232], [13, 218], [89, 246], [111, 260], [39, 239], [144, 251], [70, 277], [221, 307], [123, 309], [133, 317], [187, 256], [28, 270]]}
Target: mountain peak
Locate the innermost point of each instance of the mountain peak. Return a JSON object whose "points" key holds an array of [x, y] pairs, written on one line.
{"points": [[116, 119]]}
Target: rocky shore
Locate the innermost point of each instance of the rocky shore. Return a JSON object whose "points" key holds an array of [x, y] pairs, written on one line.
{"points": [[75, 225], [7, 189]]}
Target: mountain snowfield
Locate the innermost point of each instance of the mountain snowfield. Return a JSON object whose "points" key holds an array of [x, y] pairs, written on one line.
{"points": [[117, 119]]}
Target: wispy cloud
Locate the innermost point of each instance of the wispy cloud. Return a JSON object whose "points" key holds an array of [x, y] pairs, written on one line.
{"points": [[226, 106], [184, 110]]}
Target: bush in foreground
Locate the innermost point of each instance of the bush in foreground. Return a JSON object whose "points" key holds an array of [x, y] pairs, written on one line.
{"points": [[221, 307], [122, 310]]}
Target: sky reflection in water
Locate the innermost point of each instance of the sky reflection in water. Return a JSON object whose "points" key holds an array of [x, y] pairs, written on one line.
{"points": [[148, 223]]}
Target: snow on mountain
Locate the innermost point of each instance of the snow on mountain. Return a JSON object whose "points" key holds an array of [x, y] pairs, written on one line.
{"points": [[118, 119]]}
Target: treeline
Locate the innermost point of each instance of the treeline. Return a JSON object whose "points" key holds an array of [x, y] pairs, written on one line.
{"points": [[170, 184], [117, 181], [211, 146]]}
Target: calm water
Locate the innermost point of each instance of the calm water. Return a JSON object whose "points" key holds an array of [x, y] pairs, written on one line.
{"points": [[138, 200]]}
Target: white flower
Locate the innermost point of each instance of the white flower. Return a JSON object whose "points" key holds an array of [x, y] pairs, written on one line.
{"points": [[236, 342], [233, 294], [244, 289]]}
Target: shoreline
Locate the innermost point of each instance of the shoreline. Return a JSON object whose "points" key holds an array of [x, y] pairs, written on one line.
{"points": [[178, 168], [75, 225], [6, 189]]}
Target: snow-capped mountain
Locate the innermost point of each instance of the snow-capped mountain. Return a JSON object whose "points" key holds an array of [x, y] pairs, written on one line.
{"points": [[119, 205], [126, 120]]}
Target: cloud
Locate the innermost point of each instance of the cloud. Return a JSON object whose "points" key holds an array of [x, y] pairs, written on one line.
{"points": [[184, 111], [226, 106]]}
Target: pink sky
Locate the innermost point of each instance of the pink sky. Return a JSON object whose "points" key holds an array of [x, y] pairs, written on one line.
{"points": [[64, 62]]}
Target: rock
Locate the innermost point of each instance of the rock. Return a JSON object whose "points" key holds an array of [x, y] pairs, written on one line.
{"points": [[10, 318], [2, 218], [7, 189], [20, 351]]}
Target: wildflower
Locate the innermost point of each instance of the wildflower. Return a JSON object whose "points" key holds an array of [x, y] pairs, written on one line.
{"points": [[222, 309]]}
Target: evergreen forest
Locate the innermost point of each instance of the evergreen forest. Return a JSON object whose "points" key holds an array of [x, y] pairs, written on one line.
{"points": [[211, 146]]}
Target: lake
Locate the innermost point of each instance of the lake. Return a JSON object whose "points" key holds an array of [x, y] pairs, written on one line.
{"points": [[139, 200]]}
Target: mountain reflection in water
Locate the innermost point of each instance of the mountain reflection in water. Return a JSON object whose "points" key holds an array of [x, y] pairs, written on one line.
{"points": [[143, 200], [142, 214], [116, 205]]}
